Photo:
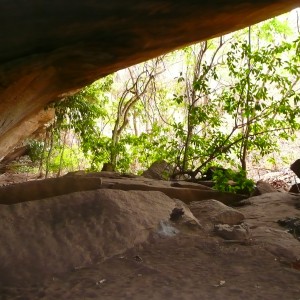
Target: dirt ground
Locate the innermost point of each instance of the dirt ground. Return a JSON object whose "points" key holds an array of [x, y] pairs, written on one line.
{"points": [[194, 264], [181, 267]]}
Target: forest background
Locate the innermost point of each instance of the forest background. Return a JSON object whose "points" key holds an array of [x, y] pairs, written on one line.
{"points": [[232, 101]]}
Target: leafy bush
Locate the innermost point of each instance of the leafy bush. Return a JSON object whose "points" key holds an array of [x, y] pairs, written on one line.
{"points": [[227, 180], [36, 150]]}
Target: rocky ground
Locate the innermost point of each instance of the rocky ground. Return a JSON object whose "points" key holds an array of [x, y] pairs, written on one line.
{"points": [[128, 237]]}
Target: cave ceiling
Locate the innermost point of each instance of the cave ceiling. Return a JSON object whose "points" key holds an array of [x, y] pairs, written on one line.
{"points": [[51, 48]]}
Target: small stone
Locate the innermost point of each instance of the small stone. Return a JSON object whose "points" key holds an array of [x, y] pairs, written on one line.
{"points": [[100, 281], [176, 214], [235, 232], [137, 258]]}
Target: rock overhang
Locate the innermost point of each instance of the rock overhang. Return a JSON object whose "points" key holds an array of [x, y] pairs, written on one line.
{"points": [[52, 48]]}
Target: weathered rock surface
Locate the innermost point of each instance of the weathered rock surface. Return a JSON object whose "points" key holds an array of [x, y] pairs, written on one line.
{"points": [[211, 212], [292, 224], [277, 241], [55, 47], [262, 216], [72, 231], [84, 229], [260, 223], [263, 187], [234, 233], [40, 189], [262, 209], [29, 127], [158, 170]]}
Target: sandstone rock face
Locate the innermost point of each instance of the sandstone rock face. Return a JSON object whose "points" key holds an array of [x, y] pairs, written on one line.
{"points": [[51, 48], [28, 128]]}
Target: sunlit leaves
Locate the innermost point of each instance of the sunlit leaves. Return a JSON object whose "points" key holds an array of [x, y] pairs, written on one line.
{"points": [[219, 105]]}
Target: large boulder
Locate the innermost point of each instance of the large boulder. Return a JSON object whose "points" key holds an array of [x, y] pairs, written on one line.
{"points": [[59, 234]]}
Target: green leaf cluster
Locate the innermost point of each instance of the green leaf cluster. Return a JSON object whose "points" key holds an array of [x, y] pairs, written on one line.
{"points": [[227, 180]]}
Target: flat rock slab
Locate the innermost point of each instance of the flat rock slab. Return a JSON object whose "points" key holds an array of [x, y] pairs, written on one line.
{"points": [[184, 191], [40, 189], [279, 242], [262, 216], [267, 209]]}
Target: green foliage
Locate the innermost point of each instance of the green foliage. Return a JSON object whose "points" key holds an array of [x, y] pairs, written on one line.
{"points": [[231, 97], [66, 160], [36, 150], [273, 28], [227, 180], [97, 150], [80, 111], [138, 152], [257, 105], [76, 115], [262, 100]]}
